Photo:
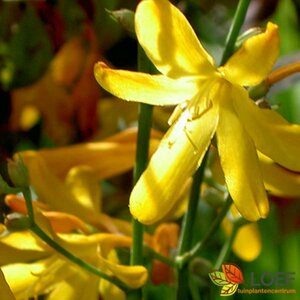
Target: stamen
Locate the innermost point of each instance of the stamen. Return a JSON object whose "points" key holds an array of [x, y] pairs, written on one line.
{"points": [[179, 109]]}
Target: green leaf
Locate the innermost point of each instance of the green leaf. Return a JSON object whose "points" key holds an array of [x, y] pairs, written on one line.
{"points": [[218, 278], [229, 289]]}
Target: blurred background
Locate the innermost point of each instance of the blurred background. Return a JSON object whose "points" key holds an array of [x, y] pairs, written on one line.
{"points": [[49, 97]]}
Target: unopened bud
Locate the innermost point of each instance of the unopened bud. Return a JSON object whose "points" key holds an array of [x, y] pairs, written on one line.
{"points": [[125, 18], [18, 172], [200, 268], [17, 222], [213, 197]]}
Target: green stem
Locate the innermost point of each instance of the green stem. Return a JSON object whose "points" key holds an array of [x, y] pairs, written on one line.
{"points": [[53, 244], [226, 247], [27, 195], [189, 218], [155, 255], [142, 152], [183, 260], [74, 259], [236, 25], [186, 239]]}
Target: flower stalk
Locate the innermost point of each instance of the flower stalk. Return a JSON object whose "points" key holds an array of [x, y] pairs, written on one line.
{"points": [[236, 25], [142, 152], [189, 255], [187, 228], [283, 72], [275, 76]]}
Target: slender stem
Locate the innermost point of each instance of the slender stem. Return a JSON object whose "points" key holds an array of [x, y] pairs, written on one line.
{"points": [[27, 195], [186, 239], [155, 255], [200, 245], [189, 218], [226, 247], [53, 244], [142, 152], [236, 25], [74, 259]]}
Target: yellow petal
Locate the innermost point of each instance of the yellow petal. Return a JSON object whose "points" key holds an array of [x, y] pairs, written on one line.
{"points": [[279, 181], [83, 184], [107, 158], [177, 158], [23, 241], [10, 255], [87, 248], [64, 223], [21, 277], [79, 286], [6, 293], [255, 59], [239, 162], [169, 40], [142, 87], [247, 243], [58, 198], [272, 135], [132, 276], [109, 291]]}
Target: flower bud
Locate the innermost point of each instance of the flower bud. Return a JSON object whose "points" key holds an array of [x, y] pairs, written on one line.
{"points": [[125, 18], [200, 268], [17, 222], [18, 172]]}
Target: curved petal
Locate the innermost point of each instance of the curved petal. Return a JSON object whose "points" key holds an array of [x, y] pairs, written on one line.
{"points": [[6, 293], [279, 181], [142, 87], [110, 291], [169, 40], [80, 285], [177, 158], [21, 277], [132, 276], [271, 133], [43, 181], [23, 241], [239, 162], [84, 185], [108, 158], [255, 59]]}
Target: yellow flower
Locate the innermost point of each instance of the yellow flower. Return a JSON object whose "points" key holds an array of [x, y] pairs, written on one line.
{"points": [[66, 182], [75, 172], [212, 101], [32, 268]]}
